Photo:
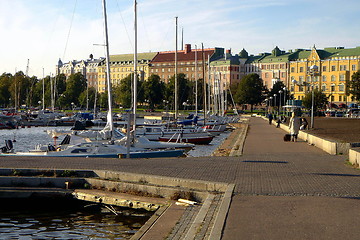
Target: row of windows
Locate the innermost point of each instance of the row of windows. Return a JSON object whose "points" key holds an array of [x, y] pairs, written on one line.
{"points": [[180, 63], [332, 98], [325, 68], [333, 78], [273, 66], [324, 88], [275, 75]]}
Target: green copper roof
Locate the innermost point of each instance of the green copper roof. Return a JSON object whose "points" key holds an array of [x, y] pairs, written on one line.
{"points": [[130, 57], [230, 60], [285, 57], [346, 52], [256, 58]]}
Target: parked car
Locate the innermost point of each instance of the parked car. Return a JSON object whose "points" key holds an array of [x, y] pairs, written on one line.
{"points": [[353, 113]]}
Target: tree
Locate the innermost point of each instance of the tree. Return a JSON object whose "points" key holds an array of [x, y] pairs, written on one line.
{"points": [[19, 88], [154, 90], [5, 82], [275, 90], [122, 92], [90, 93], [320, 100], [75, 84], [353, 86], [184, 89], [249, 90]]}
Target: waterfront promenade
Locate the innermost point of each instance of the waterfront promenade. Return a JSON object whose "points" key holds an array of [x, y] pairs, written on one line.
{"points": [[283, 190]]}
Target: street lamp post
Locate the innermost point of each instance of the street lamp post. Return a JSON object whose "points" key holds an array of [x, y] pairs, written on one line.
{"points": [[270, 103], [313, 71], [284, 98], [280, 92], [266, 104], [275, 102]]}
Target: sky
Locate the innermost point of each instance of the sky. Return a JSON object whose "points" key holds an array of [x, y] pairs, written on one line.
{"points": [[40, 32]]}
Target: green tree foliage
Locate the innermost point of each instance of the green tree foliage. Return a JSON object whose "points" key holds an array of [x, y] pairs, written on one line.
{"points": [[75, 85], [20, 84], [154, 90], [91, 92], [320, 100], [103, 100], [5, 83], [184, 89], [250, 90], [275, 90], [353, 86], [122, 92]]}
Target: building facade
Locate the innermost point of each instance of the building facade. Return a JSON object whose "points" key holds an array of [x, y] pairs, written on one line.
{"points": [[122, 65], [334, 67], [88, 68], [164, 63]]}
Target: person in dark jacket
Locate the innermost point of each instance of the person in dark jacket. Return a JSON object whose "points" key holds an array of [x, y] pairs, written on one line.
{"points": [[270, 118]]}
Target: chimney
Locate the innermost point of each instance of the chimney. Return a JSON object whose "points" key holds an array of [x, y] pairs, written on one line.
{"points": [[187, 48]]}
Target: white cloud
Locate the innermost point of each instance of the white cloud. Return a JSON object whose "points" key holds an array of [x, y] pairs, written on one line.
{"points": [[38, 30]]}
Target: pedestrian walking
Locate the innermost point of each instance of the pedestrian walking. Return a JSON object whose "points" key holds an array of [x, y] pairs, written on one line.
{"points": [[294, 127], [304, 124], [270, 118]]}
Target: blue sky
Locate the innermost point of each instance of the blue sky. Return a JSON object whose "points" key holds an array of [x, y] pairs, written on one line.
{"points": [[43, 30]]}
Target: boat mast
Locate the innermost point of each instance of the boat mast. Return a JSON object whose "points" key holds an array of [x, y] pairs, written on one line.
{"points": [[176, 80], [204, 82], [196, 83], [135, 64], [209, 84], [51, 93], [43, 90], [109, 117]]}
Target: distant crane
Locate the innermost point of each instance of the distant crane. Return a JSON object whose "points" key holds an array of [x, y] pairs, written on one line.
{"points": [[27, 68]]}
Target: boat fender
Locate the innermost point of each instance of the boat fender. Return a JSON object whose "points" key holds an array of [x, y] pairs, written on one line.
{"points": [[9, 144], [3, 149], [51, 148]]}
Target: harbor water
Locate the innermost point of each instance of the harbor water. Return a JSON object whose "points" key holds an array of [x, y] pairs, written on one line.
{"points": [[54, 220], [66, 219]]}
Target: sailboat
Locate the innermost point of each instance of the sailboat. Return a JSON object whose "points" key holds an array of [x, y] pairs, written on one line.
{"points": [[104, 149]]}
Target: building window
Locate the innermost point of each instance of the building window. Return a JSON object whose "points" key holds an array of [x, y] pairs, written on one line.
{"points": [[301, 79], [292, 69], [323, 88], [333, 68], [353, 67], [324, 78], [332, 98], [342, 77], [333, 78], [324, 68], [301, 69], [332, 88], [340, 98], [341, 88]]}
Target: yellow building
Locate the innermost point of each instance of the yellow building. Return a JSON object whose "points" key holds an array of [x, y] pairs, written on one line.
{"points": [[334, 67], [121, 66]]}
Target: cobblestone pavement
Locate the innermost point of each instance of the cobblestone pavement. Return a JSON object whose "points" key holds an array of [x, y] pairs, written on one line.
{"points": [[293, 178]]}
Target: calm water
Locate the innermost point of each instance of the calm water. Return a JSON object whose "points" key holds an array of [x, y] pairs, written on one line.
{"points": [[65, 220], [69, 219]]}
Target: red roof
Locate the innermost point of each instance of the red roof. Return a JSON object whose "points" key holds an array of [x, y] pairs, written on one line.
{"points": [[183, 56]]}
